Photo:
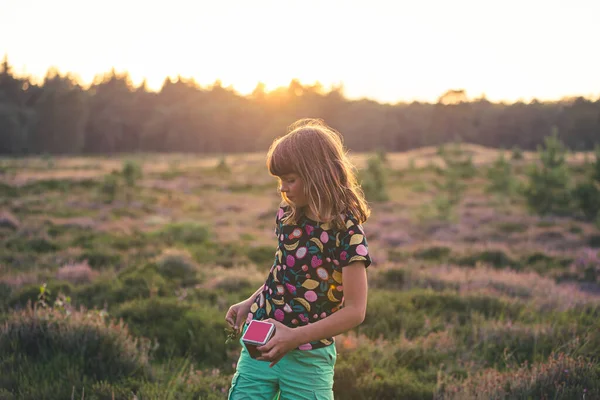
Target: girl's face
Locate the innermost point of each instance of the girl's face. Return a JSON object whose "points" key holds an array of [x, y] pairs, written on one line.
{"points": [[293, 188]]}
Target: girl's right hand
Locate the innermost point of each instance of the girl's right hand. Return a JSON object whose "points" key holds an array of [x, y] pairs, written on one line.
{"points": [[237, 313]]}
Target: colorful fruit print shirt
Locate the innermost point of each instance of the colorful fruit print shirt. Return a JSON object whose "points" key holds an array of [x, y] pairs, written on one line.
{"points": [[304, 284]]}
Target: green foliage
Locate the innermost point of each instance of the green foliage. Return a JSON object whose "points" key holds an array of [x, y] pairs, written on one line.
{"points": [[458, 166], [131, 172], [517, 153], [587, 198], [179, 328], [177, 264], [222, 166], [186, 232], [34, 244], [261, 255], [501, 177], [374, 182], [560, 377], [497, 258], [437, 253], [547, 191], [587, 194], [109, 187], [45, 352]]}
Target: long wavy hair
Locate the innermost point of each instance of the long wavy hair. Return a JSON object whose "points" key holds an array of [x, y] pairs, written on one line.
{"points": [[315, 152]]}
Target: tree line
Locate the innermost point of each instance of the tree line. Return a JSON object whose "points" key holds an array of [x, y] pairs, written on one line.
{"points": [[59, 116]]}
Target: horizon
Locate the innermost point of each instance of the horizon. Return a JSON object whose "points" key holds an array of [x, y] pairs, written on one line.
{"points": [[505, 51]]}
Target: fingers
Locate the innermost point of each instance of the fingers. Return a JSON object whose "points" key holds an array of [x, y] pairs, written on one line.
{"points": [[275, 362], [239, 321], [269, 356], [229, 317]]}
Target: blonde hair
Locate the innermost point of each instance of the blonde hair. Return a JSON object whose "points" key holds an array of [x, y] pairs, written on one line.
{"points": [[316, 153]]}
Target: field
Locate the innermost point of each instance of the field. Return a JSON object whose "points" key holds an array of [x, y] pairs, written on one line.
{"points": [[484, 299]]}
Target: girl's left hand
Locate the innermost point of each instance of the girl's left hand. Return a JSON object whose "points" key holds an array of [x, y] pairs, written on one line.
{"points": [[284, 340]]}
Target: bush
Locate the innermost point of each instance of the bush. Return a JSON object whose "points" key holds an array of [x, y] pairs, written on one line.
{"points": [[458, 167], [436, 253], [497, 258], [44, 353], [177, 264], [587, 194], [98, 258], [547, 191], [502, 179], [517, 153], [180, 329], [184, 232], [374, 183], [560, 377], [109, 187], [261, 255], [131, 171]]}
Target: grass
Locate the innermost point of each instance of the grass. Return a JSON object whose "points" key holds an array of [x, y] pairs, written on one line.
{"points": [[491, 302]]}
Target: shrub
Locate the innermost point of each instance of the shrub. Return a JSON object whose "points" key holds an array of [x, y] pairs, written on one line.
{"points": [[98, 258], [109, 187], [501, 176], [458, 167], [547, 190], [374, 183], [180, 329], [44, 353], [560, 377], [517, 153], [587, 194], [436, 253], [185, 232], [177, 264], [131, 171], [497, 258], [586, 266], [261, 255], [76, 273]]}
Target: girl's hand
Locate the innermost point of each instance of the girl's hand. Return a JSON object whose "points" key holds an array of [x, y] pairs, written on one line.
{"points": [[284, 340], [237, 314]]}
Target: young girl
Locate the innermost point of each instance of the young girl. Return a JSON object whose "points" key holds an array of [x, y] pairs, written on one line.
{"points": [[317, 286]]}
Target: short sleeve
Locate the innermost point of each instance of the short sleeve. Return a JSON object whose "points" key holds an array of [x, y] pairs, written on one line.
{"points": [[353, 245]]}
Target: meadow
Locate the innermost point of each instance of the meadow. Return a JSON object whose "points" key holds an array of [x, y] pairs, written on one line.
{"points": [[116, 274]]}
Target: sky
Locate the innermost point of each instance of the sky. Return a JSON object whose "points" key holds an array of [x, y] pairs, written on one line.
{"points": [[386, 50]]}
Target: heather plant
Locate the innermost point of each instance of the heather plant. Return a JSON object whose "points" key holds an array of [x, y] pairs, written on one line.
{"points": [[548, 188], [586, 266], [76, 273], [47, 351], [561, 376], [186, 232], [177, 264], [179, 328]]}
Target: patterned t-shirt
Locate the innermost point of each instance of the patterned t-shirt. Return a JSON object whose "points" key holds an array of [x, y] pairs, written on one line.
{"points": [[304, 284]]}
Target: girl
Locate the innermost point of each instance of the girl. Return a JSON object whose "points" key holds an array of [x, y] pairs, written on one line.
{"points": [[317, 286]]}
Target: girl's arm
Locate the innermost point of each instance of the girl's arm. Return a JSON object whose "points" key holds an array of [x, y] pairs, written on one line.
{"points": [[354, 278]]}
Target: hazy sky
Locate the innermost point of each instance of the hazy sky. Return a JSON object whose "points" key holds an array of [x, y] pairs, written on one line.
{"points": [[382, 49]]}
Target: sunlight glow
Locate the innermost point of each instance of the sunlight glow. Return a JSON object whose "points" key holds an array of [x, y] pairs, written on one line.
{"points": [[385, 50]]}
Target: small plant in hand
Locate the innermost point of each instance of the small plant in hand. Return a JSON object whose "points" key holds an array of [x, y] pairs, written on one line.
{"points": [[232, 334]]}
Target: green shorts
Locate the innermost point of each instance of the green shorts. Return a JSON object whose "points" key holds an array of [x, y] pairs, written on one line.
{"points": [[300, 374]]}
